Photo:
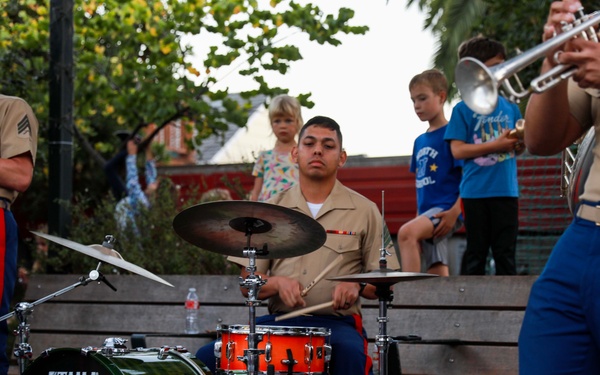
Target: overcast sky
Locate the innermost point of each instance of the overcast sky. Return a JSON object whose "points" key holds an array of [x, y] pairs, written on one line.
{"points": [[363, 84]]}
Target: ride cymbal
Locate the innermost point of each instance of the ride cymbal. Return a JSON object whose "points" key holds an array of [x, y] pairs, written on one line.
{"points": [[226, 227], [103, 254], [382, 277]]}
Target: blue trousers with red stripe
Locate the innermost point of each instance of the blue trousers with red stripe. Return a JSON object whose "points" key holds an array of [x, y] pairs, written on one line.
{"points": [[349, 347], [8, 276], [561, 328]]}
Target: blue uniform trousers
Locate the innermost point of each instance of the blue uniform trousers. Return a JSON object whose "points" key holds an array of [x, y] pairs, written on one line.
{"points": [[561, 328]]}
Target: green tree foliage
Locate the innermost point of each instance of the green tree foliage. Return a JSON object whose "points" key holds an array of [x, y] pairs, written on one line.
{"points": [[517, 24], [138, 62], [135, 64], [155, 247]]}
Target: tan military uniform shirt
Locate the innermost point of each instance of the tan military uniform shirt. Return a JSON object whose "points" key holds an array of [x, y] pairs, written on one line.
{"points": [[18, 133], [585, 107], [344, 210]]}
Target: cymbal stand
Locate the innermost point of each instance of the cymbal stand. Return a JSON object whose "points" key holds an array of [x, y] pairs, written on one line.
{"points": [[23, 310], [385, 295], [253, 283], [383, 340]]}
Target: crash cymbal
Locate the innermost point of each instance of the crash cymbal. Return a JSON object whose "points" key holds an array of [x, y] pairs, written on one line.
{"points": [[224, 227], [103, 254], [385, 276]]}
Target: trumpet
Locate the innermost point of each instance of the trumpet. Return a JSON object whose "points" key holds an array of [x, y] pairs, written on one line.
{"points": [[478, 84]]}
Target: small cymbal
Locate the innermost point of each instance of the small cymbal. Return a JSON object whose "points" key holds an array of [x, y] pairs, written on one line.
{"points": [[103, 254], [385, 276], [224, 227]]}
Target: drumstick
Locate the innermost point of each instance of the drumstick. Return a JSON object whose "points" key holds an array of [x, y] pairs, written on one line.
{"points": [[321, 275], [303, 311]]}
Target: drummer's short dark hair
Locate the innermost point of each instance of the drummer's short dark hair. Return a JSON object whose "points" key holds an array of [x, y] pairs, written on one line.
{"points": [[323, 122]]}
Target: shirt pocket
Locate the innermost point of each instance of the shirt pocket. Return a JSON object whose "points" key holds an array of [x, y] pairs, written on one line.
{"points": [[342, 243]]}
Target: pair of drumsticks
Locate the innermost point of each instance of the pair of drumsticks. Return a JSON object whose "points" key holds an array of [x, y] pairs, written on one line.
{"points": [[309, 287]]}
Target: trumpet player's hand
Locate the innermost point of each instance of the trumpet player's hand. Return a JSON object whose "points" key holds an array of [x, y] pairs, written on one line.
{"points": [[560, 11], [586, 56], [504, 143]]}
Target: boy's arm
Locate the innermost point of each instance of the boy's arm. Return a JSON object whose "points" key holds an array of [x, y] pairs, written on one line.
{"points": [[462, 150]]}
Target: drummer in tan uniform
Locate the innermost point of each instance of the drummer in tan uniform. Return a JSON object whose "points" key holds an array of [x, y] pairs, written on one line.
{"points": [[354, 232], [18, 146], [561, 328]]}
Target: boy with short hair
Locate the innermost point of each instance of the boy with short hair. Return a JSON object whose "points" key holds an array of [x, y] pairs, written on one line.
{"points": [[438, 177], [489, 188]]}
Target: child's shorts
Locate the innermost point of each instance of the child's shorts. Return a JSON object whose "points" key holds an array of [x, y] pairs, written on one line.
{"points": [[436, 250]]}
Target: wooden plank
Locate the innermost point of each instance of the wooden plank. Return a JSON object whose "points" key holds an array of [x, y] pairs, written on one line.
{"points": [[118, 319], [486, 326], [507, 292], [458, 360], [133, 288]]}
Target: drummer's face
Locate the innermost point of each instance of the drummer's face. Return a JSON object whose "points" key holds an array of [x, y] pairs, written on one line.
{"points": [[319, 153]]}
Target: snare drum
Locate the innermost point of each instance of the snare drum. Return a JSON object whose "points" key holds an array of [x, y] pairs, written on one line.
{"points": [[295, 350], [151, 361]]}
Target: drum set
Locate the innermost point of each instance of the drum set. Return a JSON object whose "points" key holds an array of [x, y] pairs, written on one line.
{"points": [[230, 228]]}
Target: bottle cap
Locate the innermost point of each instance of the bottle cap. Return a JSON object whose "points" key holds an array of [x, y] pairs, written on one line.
{"points": [[192, 289]]}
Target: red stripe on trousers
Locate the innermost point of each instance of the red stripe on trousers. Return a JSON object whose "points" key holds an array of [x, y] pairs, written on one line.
{"points": [[2, 251], [359, 328]]}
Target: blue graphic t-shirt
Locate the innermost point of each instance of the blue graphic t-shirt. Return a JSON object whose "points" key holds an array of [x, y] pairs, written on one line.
{"points": [[492, 175], [438, 174]]}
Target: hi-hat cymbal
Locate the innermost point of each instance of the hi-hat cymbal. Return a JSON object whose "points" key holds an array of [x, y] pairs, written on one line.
{"points": [[225, 226], [383, 277], [103, 254]]}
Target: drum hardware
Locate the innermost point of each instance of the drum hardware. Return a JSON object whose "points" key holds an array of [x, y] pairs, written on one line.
{"points": [[23, 310], [287, 350], [92, 361], [478, 84], [383, 279], [105, 254], [215, 226]]}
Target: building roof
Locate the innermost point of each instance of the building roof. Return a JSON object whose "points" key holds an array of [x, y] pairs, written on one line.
{"points": [[239, 144]]}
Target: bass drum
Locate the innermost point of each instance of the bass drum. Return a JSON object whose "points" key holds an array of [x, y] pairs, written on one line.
{"points": [[581, 169], [153, 361]]}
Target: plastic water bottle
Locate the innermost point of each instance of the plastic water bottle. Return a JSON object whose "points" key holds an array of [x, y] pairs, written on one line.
{"points": [[192, 304], [376, 359]]}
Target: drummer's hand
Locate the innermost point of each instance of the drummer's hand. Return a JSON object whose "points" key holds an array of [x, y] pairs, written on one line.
{"points": [[289, 290], [345, 295]]}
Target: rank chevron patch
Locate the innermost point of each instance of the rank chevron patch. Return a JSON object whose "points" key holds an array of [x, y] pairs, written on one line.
{"points": [[24, 127]]}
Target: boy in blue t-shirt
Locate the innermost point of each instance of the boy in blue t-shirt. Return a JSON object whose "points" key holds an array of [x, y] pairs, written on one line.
{"points": [[438, 177], [489, 188]]}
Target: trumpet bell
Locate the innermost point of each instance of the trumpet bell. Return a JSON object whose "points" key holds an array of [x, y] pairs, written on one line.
{"points": [[477, 87]]}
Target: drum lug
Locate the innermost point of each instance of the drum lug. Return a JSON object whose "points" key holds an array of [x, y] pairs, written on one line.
{"points": [[308, 353], [163, 353], [327, 349], [218, 346], [229, 350], [268, 351]]}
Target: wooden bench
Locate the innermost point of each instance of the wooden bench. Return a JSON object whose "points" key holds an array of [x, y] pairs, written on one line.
{"points": [[466, 324]]}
